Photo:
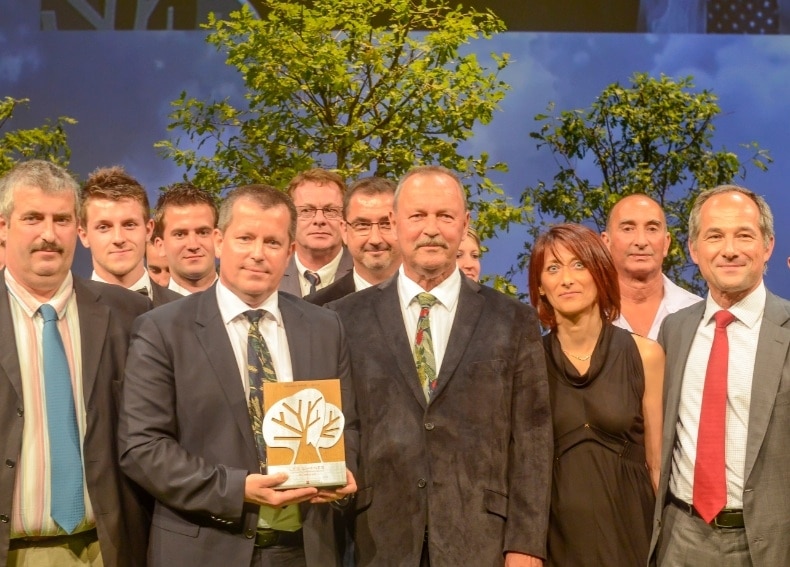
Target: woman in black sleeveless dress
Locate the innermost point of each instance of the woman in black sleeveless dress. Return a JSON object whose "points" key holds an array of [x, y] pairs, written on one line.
{"points": [[605, 386]]}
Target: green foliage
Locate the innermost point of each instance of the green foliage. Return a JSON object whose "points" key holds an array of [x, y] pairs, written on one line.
{"points": [[355, 86], [48, 142], [654, 136]]}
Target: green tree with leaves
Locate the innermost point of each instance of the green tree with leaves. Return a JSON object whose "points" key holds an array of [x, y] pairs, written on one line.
{"points": [[355, 86], [48, 141], [654, 136]]}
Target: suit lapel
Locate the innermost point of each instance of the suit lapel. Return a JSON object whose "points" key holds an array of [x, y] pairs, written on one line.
{"points": [[157, 294], [94, 322], [390, 321], [297, 330], [290, 280], [467, 314], [210, 332], [9, 357], [346, 264], [772, 347]]}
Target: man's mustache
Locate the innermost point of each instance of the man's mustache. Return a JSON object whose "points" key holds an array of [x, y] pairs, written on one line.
{"points": [[431, 242], [47, 247]]}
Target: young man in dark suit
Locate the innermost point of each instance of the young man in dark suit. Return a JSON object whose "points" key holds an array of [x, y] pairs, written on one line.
{"points": [[61, 366], [186, 432], [115, 225]]}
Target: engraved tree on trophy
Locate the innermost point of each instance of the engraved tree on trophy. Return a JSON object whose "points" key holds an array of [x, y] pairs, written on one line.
{"points": [[305, 423]]}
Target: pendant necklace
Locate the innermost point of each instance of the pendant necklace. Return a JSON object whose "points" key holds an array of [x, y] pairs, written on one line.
{"points": [[582, 358]]}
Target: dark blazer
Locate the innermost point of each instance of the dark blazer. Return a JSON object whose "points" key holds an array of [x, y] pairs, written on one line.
{"points": [[337, 290], [767, 475], [106, 314], [185, 433], [290, 281], [472, 466], [163, 295]]}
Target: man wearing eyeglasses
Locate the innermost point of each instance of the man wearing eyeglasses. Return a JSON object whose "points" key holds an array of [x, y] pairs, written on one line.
{"points": [[320, 257], [368, 233]]}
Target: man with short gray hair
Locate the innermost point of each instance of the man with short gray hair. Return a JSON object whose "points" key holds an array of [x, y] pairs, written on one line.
{"points": [[63, 499]]}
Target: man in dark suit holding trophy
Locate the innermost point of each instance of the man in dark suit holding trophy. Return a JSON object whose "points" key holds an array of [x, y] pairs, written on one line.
{"points": [[186, 432]]}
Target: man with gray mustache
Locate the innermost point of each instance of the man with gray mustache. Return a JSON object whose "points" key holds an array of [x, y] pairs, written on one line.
{"points": [[63, 499], [452, 396]]}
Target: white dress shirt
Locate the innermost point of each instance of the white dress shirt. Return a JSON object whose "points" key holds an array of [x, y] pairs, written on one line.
{"points": [[144, 281], [442, 313], [675, 298], [173, 286], [272, 330], [742, 335], [360, 283], [232, 309]]}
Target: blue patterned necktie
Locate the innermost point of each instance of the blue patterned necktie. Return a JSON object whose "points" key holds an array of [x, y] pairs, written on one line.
{"points": [[423, 346], [260, 369], [68, 501], [313, 278]]}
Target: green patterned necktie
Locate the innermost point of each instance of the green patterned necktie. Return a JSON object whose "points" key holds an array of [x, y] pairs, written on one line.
{"points": [[260, 368], [423, 346]]}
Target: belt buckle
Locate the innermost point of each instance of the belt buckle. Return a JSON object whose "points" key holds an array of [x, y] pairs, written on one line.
{"points": [[266, 538], [723, 524]]}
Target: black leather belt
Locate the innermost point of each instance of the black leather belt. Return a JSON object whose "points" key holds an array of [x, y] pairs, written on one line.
{"points": [[265, 537], [86, 537], [725, 519]]}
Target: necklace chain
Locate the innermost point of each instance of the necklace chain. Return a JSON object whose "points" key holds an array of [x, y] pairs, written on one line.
{"points": [[583, 358]]}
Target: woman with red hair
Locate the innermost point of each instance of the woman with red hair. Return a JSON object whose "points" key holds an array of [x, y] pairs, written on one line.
{"points": [[606, 386]]}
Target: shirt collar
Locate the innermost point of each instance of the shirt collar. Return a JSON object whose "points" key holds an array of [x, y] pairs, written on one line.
{"points": [[326, 272], [360, 283], [30, 304], [144, 281], [174, 286], [231, 307], [748, 310], [446, 292]]}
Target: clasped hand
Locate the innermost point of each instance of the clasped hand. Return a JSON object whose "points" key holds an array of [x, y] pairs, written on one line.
{"points": [[260, 489]]}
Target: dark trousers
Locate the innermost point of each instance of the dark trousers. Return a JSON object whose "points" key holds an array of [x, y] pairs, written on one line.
{"points": [[278, 556]]}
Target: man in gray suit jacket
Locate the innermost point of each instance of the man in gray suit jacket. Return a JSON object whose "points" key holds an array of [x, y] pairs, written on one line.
{"points": [[725, 484], [456, 438], [319, 257], [39, 209], [185, 427]]}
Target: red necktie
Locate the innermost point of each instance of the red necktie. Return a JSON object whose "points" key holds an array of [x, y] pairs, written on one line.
{"points": [[710, 485]]}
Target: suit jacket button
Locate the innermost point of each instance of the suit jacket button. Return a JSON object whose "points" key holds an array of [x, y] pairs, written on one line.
{"points": [[249, 534], [3, 518], [20, 412], [10, 464], [421, 483], [429, 426]]}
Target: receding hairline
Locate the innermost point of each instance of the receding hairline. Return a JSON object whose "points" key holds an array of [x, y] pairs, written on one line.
{"points": [[427, 171], [634, 198]]}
